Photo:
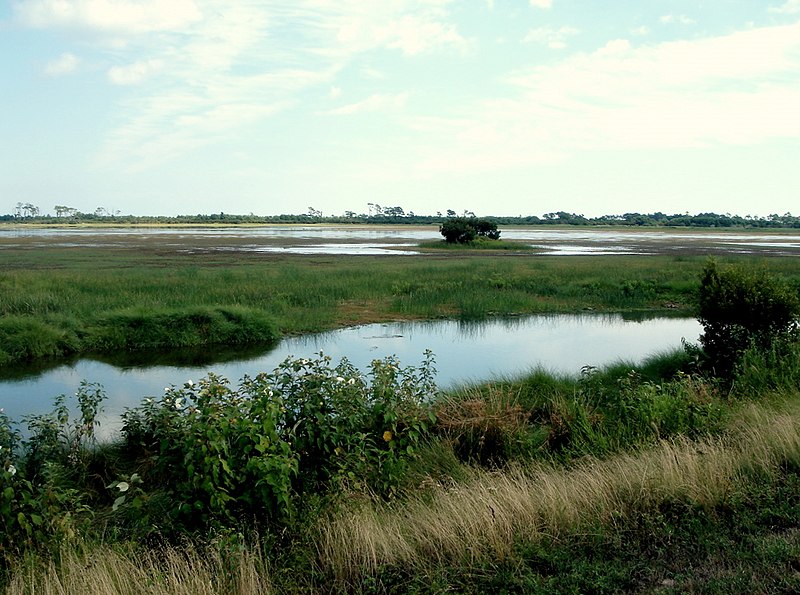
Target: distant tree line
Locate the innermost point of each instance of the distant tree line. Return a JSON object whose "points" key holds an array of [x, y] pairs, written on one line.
{"points": [[376, 213]]}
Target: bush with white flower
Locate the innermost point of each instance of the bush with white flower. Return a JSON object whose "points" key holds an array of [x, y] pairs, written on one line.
{"points": [[220, 453]]}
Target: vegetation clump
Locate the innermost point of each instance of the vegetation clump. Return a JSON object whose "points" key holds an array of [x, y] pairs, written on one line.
{"points": [[463, 230], [24, 338], [740, 308]]}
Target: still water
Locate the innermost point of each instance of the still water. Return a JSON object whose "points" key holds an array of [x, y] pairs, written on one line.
{"points": [[403, 240], [464, 352]]}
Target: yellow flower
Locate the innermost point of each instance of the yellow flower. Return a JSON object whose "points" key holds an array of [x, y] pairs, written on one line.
{"points": [[387, 436]]}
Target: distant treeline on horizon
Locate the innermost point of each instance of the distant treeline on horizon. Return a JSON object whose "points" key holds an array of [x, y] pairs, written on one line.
{"points": [[396, 215]]}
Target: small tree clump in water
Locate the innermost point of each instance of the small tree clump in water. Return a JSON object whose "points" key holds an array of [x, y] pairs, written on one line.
{"points": [[462, 230], [742, 308]]}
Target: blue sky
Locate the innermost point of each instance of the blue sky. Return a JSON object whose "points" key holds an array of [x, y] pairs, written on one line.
{"points": [[500, 107]]}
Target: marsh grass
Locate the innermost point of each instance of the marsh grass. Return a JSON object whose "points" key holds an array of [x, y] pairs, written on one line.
{"points": [[478, 244], [484, 518], [49, 299], [114, 570]]}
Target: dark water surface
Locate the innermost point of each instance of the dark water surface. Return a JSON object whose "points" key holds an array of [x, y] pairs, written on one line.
{"points": [[464, 352]]}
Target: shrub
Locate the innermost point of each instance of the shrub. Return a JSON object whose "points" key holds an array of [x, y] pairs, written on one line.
{"points": [[740, 308], [462, 230], [39, 477], [219, 454]]}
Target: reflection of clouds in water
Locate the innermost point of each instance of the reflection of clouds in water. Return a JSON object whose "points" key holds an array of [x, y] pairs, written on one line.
{"points": [[464, 351]]}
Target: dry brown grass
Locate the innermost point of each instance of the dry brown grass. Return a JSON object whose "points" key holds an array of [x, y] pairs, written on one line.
{"points": [[102, 571], [480, 519]]}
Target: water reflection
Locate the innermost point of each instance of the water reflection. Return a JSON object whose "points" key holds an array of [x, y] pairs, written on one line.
{"points": [[464, 352], [376, 240]]}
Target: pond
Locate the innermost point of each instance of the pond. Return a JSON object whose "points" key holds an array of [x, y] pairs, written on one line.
{"points": [[464, 352]]}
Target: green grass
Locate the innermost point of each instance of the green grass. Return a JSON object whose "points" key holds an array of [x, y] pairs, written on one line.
{"points": [[53, 302], [478, 244]]}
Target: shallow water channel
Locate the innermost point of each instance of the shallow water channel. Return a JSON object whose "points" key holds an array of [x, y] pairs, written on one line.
{"points": [[464, 352]]}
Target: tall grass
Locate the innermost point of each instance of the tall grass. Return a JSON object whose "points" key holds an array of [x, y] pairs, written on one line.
{"points": [[482, 519], [107, 570]]}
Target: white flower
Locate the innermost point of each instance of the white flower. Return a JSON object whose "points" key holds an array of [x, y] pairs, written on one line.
{"points": [[166, 389], [123, 486], [178, 402], [189, 382], [12, 470], [148, 400], [351, 381], [339, 379], [271, 394]]}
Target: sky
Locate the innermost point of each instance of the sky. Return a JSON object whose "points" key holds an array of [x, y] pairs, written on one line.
{"points": [[499, 107]]}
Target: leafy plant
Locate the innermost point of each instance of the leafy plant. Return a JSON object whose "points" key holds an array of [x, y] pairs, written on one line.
{"points": [[740, 308], [220, 454]]}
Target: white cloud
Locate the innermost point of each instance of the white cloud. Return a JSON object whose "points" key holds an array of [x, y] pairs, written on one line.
{"points": [[135, 73], [555, 39], [415, 36], [66, 63], [541, 3], [112, 16], [373, 103], [681, 19], [641, 31], [196, 61], [790, 7], [412, 26], [738, 89]]}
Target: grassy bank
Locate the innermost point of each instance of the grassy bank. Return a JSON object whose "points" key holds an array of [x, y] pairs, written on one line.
{"points": [[317, 478], [78, 300]]}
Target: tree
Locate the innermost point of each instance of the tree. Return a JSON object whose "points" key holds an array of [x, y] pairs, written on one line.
{"points": [[486, 228], [462, 230], [742, 308]]}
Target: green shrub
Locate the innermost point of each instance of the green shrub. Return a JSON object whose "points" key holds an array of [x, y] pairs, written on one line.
{"points": [[740, 308], [43, 479], [462, 230], [219, 454]]}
